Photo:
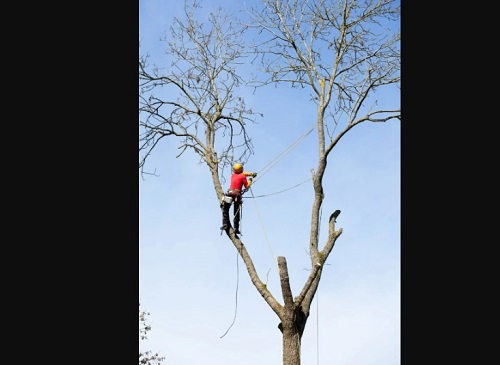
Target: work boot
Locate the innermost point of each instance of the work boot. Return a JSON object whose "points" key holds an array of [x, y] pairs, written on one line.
{"points": [[237, 229]]}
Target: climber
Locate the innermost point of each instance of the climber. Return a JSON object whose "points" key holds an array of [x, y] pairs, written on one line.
{"points": [[233, 195]]}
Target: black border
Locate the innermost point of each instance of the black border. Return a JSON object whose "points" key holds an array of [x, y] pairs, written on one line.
{"points": [[71, 229]]}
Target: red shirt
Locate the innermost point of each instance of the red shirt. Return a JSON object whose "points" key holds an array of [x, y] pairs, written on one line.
{"points": [[238, 181]]}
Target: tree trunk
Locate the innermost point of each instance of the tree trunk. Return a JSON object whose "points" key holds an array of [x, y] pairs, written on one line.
{"points": [[291, 344], [293, 318]]}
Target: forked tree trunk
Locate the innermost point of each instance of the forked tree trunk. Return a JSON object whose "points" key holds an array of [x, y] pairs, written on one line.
{"points": [[293, 316], [362, 61]]}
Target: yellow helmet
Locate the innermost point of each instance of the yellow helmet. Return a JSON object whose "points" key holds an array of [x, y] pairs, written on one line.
{"points": [[238, 168]]}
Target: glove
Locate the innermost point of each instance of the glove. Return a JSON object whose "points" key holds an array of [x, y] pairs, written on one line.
{"points": [[251, 180], [254, 174]]}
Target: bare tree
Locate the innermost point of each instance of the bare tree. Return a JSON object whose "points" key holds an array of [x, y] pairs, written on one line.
{"points": [[343, 51], [203, 103]]}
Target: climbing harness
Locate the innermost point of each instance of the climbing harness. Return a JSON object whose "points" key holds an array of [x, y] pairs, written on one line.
{"points": [[231, 199], [227, 199]]}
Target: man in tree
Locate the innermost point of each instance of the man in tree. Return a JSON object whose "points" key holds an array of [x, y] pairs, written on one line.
{"points": [[233, 195], [343, 53]]}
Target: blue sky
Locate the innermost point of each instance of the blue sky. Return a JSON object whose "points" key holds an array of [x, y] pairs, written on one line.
{"points": [[193, 283]]}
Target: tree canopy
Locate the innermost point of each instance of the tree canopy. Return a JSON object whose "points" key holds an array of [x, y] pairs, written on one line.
{"points": [[342, 52]]}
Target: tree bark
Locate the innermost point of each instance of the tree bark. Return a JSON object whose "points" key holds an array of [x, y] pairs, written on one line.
{"points": [[291, 345]]}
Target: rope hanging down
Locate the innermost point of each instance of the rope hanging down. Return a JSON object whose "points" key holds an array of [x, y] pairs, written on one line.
{"points": [[266, 168], [236, 306], [264, 229]]}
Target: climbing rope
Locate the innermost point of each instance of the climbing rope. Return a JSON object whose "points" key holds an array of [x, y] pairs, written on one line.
{"points": [[281, 155], [236, 305], [239, 209], [282, 191], [263, 171], [264, 229]]}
